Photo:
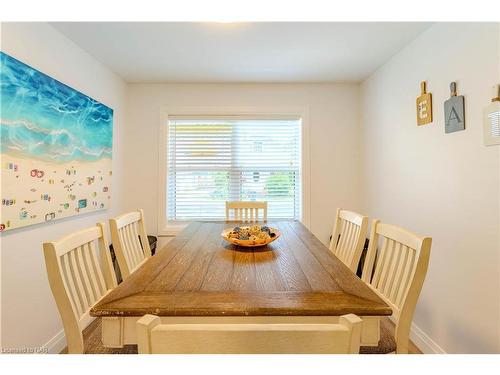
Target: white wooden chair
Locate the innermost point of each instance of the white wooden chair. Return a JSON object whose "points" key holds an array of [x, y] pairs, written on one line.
{"points": [[246, 211], [156, 338], [77, 280], [396, 271], [130, 241], [348, 237]]}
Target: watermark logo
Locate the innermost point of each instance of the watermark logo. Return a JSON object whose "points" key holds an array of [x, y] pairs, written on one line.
{"points": [[25, 350]]}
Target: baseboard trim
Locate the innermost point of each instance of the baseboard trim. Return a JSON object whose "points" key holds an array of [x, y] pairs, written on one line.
{"points": [[57, 343], [424, 342]]}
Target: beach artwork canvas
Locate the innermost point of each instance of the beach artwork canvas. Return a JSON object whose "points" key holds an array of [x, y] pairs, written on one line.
{"points": [[55, 148]]}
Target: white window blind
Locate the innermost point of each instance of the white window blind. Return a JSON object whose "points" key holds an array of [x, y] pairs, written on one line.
{"points": [[214, 160]]}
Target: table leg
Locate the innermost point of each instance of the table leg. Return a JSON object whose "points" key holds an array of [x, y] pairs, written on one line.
{"points": [[112, 332], [370, 331]]}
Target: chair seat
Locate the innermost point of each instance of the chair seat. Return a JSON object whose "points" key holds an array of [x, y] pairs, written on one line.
{"points": [[152, 243], [387, 343], [93, 344]]}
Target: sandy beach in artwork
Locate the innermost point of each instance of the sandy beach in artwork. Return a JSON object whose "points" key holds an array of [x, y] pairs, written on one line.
{"points": [[55, 148], [35, 191]]}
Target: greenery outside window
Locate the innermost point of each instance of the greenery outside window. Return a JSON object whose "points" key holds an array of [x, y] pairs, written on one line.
{"points": [[211, 160]]}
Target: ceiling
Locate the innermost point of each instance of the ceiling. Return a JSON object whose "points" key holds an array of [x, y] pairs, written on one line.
{"points": [[242, 52]]}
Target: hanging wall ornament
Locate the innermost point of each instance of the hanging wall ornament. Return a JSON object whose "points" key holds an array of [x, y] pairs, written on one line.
{"points": [[454, 111], [492, 120], [424, 106]]}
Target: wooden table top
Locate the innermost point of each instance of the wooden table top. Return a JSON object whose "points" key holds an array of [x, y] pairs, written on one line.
{"points": [[199, 274]]}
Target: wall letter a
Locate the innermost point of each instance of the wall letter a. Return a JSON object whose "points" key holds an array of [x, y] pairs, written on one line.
{"points": [[453, 116]]}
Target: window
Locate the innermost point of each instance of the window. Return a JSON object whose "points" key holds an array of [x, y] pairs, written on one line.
{"points": [[212, 160]]}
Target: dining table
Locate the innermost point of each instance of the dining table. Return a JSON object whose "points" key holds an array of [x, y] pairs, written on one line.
{"points": [[198, 277]]}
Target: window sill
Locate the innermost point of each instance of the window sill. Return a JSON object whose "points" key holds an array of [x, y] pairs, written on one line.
{"points": [[172, 229]]}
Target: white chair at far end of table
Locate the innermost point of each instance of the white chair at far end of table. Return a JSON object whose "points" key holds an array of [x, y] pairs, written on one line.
{"points": [[246, 211]]}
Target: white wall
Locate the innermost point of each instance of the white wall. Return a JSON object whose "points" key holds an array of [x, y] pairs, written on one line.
{"points": [[442, 185], [445, 186], [499, 194], [29, 314], [333, 128]]}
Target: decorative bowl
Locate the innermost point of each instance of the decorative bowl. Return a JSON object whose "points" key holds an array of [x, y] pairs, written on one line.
{"points": [[250, 243]]}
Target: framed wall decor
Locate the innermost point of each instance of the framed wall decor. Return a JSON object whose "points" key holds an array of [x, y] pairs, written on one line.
{"points": [[491, 121], [56, 148], [454, 111], [424, 106]]}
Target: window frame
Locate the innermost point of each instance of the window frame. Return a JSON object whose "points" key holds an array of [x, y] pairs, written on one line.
{"points": [[172, 228]]}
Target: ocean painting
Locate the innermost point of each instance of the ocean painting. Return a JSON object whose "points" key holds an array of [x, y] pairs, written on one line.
{"points": [[55, 148]]}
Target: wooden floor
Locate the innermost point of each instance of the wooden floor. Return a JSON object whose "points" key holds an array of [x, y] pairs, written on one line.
{"points": [[412, 348], [93, 345], [92, 339]]}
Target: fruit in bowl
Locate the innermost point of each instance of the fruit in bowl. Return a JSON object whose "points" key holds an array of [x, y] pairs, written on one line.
{"points": [[250, 236]]}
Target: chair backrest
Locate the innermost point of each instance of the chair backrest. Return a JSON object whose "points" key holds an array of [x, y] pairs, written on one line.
{"points": [[156, 338], [246, 211], [396, 271], [77, 280], [348, 237], [130, 241]]}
